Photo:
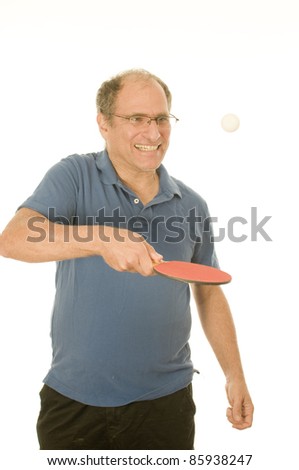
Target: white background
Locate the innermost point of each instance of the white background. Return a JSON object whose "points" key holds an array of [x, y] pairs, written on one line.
{"points": [[217, 56]]}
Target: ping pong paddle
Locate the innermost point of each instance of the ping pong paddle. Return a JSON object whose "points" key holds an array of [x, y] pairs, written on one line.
{"points": [[192, 272]]}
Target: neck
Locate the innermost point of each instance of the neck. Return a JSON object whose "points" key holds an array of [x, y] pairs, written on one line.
{"points": [[145, 184], [146, 187]]}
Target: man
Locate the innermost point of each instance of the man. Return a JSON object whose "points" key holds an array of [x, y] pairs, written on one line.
{"points": [[121, 371]]}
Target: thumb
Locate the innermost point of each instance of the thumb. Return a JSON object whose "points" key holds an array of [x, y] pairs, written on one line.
{"points": [[154, 255]]}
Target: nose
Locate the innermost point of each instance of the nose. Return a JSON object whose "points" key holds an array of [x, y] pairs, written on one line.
{"points": [[152, 131]]}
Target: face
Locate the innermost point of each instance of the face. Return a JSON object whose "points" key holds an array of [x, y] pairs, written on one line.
{"points": [[134, 150]]}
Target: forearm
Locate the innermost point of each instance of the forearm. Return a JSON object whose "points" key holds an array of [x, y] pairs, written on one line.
{"points": [[218, 325], [31, 237]]}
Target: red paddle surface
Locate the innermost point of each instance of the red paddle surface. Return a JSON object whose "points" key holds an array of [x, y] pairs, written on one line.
{"points": [[192, 272]]}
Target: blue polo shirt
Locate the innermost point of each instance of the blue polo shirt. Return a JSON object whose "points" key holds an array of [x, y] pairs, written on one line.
{"points": [[121, 337]]}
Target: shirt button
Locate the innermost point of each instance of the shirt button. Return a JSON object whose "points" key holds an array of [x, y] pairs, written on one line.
{"points": [[136, 201]]}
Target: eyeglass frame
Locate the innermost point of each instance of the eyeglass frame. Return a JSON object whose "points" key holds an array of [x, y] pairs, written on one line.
{"points": [[150, 119]]}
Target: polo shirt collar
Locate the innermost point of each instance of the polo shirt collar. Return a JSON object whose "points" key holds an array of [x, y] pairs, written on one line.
{"points": [[105, 167], [168, 185]]}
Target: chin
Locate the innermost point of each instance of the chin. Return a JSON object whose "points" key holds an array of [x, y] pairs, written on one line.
{"points": [[150, 160], [151, 166]]}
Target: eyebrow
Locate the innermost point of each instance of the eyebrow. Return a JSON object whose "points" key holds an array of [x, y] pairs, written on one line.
{"points": [[147, 115]]}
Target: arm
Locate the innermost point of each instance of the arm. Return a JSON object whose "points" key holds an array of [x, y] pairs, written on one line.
{"points": [[31, 237], [217, 323]]}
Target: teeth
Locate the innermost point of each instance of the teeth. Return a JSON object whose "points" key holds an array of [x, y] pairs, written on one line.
{"points": [[147, 148]]}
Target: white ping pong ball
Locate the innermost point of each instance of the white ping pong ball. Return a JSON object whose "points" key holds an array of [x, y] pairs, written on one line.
{"points": [[230, 122]]}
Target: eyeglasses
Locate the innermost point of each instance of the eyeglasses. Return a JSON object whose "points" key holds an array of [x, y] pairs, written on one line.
{"points": [[140, 120]]}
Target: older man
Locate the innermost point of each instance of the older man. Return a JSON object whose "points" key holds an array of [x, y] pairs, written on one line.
{"points": [[121, 372]]}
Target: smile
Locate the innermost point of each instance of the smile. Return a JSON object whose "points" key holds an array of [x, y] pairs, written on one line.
{"points": [[146, 148]]}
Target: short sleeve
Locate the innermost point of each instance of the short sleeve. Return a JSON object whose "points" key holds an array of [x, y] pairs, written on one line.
{"points": [[56, 195]]}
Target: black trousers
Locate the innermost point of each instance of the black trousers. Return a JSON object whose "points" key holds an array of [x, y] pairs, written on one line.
{"points": [[164, 423]]}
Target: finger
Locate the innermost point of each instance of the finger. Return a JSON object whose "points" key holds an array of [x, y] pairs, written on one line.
{"points": [[248, 410], [230, 417], [154, 255], [149, 260], [246, 419], [136, 258], [237, 412], [147, 264]]}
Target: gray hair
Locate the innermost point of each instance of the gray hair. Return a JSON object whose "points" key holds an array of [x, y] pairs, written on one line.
{"points": [[108, 92]]}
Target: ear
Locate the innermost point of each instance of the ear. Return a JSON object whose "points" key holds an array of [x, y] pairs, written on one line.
{"points": [[103, 125]]}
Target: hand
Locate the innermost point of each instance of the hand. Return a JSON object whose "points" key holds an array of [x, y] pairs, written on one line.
{"points": [[240, 414], [128, 251]]}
